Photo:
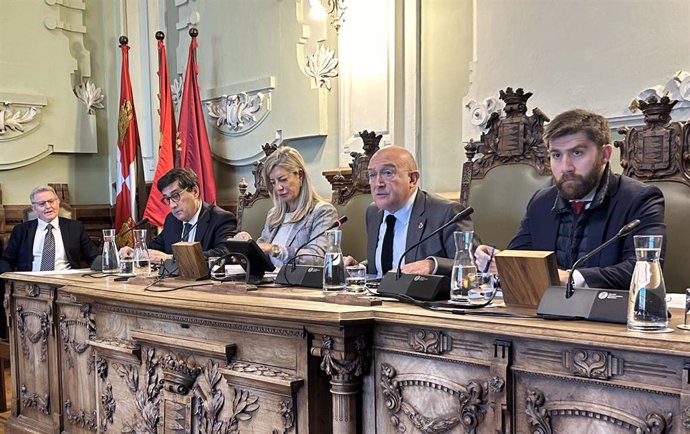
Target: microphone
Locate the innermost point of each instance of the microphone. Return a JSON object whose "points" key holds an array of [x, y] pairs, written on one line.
{"points": [[336, 224], [416, 286], [310, 276], [461, 215], [625, 230]]}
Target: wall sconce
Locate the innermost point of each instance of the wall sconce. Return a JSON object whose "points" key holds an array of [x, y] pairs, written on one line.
{"points": [[317, 12]]}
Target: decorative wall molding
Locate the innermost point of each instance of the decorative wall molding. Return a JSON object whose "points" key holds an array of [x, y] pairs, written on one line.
{"points": [[676, 88], [237, 113], [176, 88], [12, 119], [19, 114], [321, 66], [90, 95], [430, 341], [480, 112]]}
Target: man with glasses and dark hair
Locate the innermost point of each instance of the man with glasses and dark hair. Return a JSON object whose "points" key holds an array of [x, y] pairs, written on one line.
{"points": [[48, 242], [190, 218], [402, 214]]}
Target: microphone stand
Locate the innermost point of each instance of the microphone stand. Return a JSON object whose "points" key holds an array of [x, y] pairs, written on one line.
{"points": [[625, 230]]}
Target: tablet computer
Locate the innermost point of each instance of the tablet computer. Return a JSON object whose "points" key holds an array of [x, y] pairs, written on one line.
{"points": [[250, 256]]}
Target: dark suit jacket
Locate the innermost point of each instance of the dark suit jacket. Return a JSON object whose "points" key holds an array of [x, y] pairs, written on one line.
{"points": [[214, 226], [625, 201], [429, 212], [18, 255]]}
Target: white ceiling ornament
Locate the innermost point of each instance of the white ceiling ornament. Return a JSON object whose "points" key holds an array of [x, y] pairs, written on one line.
{"points": [[237, 114], [90, 95], [677, 88], [322, 66], [13, 120]]}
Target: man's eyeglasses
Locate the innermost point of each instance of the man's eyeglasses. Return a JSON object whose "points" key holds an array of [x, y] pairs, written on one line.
{"points": [[386, 174], [49, 202], [174, 197]]}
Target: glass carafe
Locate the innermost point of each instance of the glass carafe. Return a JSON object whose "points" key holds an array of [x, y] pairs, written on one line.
{"points": [[109, 257], [647, 302], [333, 265], [464, 276], [142, 261]]}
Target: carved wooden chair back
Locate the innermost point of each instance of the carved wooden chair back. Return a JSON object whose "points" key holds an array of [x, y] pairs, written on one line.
{"points": [[659, 153], [252, 208], [503, 171], [351, 195]]}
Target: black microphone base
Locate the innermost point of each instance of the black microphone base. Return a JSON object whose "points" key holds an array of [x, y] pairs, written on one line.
{"points": [[604, 305], [309, 276], [424, 287]]}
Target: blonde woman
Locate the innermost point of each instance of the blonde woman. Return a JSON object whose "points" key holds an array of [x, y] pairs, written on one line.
{"points": [[298, 212]]}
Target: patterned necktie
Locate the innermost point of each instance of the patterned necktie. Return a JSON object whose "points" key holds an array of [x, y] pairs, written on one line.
{"points": [[387, 248], [48, 256], [185, 231], [578, 206]]}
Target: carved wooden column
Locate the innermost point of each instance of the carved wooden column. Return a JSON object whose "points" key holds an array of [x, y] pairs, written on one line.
{"points": [[344, 359]]}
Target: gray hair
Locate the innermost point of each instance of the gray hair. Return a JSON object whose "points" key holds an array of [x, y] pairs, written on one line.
{"points": [[41, 189]]}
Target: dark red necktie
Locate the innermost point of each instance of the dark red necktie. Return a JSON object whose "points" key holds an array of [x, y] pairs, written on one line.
{"points": [[578, 206]]}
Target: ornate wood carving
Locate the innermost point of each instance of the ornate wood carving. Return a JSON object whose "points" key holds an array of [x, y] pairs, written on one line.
{"points": [[261, 370], [429, 342], [69, 335], [109, 405], [540, 414], [346, 185], [246, 199], [332, 365], [685, 418], [178, 375], [80, 418], [513, 139], [33, 336], [471, 399], [29, 400], [600, 365], [657, 150], [102, 368], [207, 415], [147, 399]]}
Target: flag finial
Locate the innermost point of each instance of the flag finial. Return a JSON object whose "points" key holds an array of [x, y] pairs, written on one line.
{"points": [[123, 40], [160, 35], [193, 32]]}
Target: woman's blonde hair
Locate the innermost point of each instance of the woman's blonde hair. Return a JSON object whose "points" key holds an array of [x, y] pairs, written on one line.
{"points": [[289, 159]]}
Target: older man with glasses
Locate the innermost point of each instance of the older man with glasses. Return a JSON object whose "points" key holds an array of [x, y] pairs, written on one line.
{"points": [[190, 218], [402, 214], [49, 242]]}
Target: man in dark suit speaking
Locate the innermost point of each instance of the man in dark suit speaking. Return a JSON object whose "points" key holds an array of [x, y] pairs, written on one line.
{"points": [[190, 219], [402, 214], [48, 242], [587, 205]]}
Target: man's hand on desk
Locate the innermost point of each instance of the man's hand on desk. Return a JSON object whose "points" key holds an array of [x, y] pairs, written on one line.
{"points": [[156, 256], [425, 266], [484, 254], [563, 276]]}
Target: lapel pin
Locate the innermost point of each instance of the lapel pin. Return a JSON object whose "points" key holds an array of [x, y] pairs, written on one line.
{"points": [[421, 225]]}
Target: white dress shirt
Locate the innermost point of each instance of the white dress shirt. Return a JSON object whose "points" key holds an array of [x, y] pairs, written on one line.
{"points": [[60, 256], [402, 220]]}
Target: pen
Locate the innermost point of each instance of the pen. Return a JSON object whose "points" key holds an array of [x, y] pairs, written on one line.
{"points": [[491, 258]]}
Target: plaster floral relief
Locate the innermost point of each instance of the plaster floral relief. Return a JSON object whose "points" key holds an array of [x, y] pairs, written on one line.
{"points": [[321, 66], [677, 88], [239, 113], [13, 120], [480, 112], [90, 95]]}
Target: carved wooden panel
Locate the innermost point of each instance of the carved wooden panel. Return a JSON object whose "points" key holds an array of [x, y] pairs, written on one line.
{"points": [[511, 138]]}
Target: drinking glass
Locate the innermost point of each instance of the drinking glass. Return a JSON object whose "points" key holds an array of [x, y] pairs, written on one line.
{"points": [[356, 278]]}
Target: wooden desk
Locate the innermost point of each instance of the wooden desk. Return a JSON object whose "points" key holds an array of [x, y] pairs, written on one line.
{"points": [[94, 355]]}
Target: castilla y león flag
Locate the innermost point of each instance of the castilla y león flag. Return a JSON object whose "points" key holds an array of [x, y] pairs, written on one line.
{"points": [[195, 150], [127, 145]]}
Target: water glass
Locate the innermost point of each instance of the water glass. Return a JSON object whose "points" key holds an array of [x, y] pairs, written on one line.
{"points": [[109, 257], [126, 266], [647, 301], [356, 278], [686, 316]]}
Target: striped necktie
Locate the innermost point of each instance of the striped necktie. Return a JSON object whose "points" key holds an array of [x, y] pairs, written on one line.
{"points": [[48, 256]]}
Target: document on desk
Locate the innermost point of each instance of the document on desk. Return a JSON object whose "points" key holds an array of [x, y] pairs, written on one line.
{"points": [[69, 271]]}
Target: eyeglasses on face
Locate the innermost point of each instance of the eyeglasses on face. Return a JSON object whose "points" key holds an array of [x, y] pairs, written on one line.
{"points": [[174, 197], [42, 204], [388, 174]]}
